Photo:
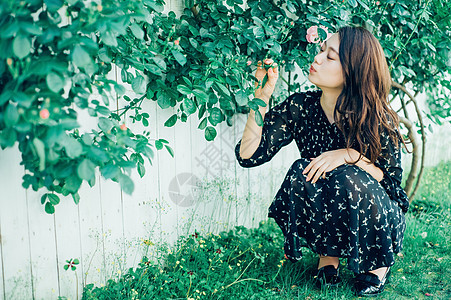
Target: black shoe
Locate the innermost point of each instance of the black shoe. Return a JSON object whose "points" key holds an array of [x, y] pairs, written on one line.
{"points": [[369, 285], [327, 276]]}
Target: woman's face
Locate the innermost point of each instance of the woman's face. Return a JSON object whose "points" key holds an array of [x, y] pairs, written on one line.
{"points": [[326, 71]]}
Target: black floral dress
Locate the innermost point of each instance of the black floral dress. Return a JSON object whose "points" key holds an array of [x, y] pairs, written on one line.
{"points": [[348, 214]]}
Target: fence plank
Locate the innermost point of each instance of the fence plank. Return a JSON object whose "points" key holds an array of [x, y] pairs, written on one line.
{"points": [[90, 218], [166, 167], [43, 248], [69, 246], [14, 230]]}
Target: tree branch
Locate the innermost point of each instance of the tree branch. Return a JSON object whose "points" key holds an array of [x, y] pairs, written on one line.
{"points": [[423, 142]]}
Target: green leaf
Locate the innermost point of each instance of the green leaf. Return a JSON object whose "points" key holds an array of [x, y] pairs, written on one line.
{"points": [[139, 84], [104, 55], [158, 145], [154, 5], [181, 59], [353, 3], [201, 95], [126, 183], [105, 124], [76, 261], [215, 116], [163, 101], [241, 98], [49, 208], [80, 57], [363, 4], [54, 199], [8, 137], [120, 90], [43, 198], [203, 124], [40, 151], [72, 183], [73, 147], [171, 152], [171, 121], [109, 38], [141, 170], [53, 5], [137, 31], [259, 102], [54, 82], [76, 198], [189, 106], [160, 62], [21, 46], [11, 115], [103, 110], [258, 118], [210, 133], [109, 171], [183, 89], [223, 88], [66, 267], [86, 170]]}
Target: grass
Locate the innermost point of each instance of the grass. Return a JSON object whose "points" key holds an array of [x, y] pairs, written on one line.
{"points": [[248, 263]]}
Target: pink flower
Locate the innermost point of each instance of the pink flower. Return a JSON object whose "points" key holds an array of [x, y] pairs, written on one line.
{"points": [[44, 113], [377, 3], [249, 62], [313, 36], [123, 127], [177, 42]]}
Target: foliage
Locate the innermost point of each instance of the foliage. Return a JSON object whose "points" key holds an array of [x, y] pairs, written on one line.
{"points": [[212, 266], [204, 267], [200, 63], [49, 71]]}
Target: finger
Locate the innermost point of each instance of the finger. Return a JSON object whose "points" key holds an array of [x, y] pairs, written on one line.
{"points": [[319, 173], [314, 170], [310, 165]]}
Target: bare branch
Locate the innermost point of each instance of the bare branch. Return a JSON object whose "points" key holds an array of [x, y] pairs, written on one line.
{"points": [[423, 138]]}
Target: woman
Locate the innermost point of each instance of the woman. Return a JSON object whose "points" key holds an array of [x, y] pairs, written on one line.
{"points": [[343, 197]]}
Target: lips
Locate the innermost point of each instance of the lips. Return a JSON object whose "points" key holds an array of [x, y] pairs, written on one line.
{"points": [[312, 69]]}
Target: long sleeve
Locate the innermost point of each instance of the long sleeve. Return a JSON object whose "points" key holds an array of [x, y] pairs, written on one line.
{"points": [[390, 163], [277, 132]]}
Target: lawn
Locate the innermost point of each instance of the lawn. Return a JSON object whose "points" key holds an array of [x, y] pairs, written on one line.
{"points": [[249, 263]]}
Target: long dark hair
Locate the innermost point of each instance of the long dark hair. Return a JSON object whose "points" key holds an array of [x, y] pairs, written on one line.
{"points": [[362, 110]]}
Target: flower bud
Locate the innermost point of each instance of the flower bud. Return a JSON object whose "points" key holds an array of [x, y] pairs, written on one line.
{"points": [[44, 113]]}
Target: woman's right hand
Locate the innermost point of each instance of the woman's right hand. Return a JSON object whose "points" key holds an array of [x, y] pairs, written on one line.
{"points": [[266, 91]]}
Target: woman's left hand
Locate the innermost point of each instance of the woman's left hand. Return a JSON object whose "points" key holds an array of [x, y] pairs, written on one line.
{"points": [[326, 162]]}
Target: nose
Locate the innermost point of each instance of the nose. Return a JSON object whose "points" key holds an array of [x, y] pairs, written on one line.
{"points": [[318, 59]]}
